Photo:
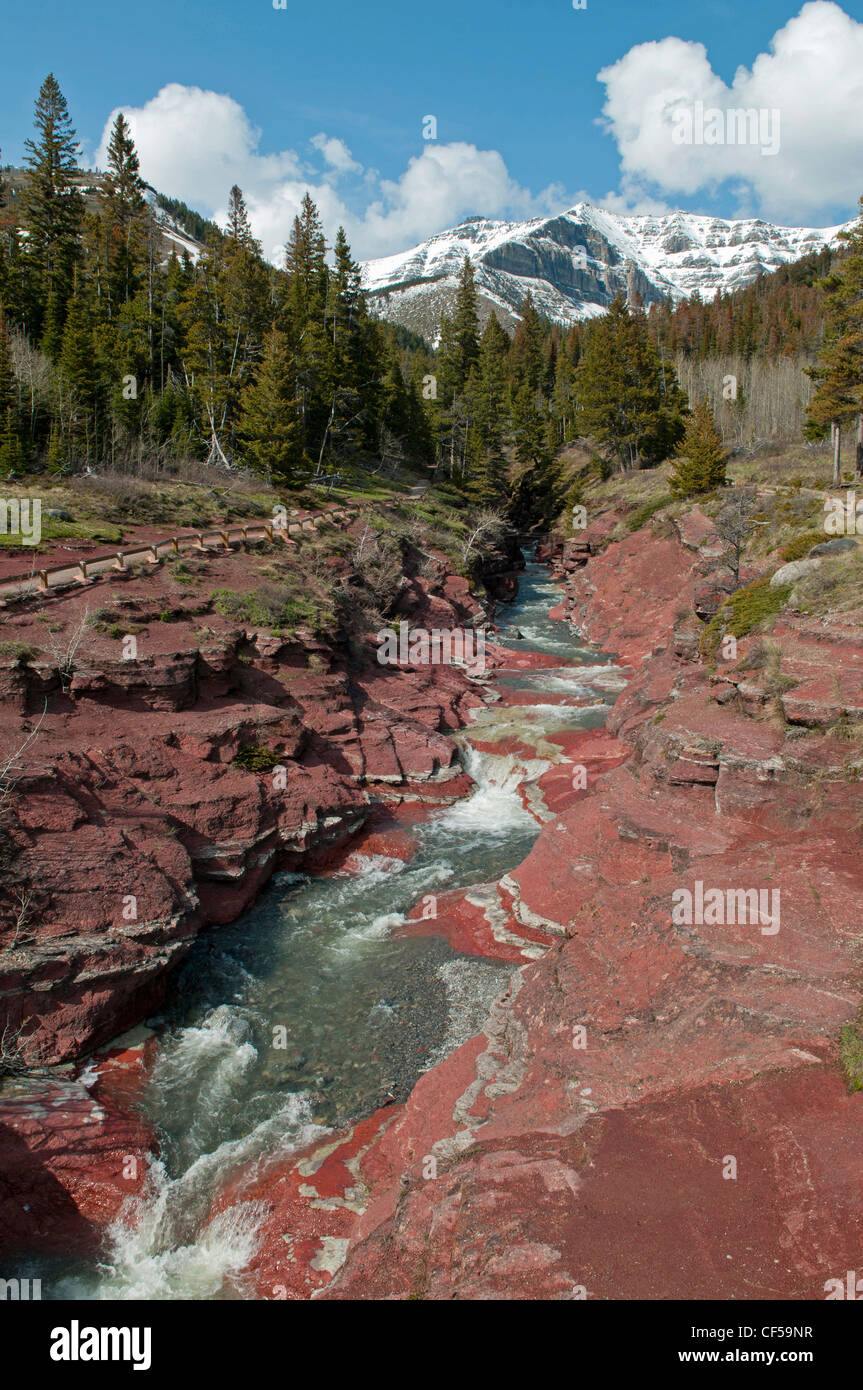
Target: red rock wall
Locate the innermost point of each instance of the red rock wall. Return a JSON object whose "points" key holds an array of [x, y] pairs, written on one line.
{"points": [[697, 1139]]}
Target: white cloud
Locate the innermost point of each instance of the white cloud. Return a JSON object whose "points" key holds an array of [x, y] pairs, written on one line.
{"points": [[336, 154], [195, 144], [813, 78], [438, 188]]}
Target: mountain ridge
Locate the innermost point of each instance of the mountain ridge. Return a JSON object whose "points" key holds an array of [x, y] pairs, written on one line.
{"points": [[576, 262]]}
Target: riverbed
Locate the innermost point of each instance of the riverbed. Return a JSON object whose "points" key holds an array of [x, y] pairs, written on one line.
{"points": [[312, 1010]]}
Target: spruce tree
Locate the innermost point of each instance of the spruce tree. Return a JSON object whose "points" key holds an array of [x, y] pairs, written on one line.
{"points": [[269, 425], [53, 207], [838, 397], [242, 293], [629, 398], [700, 463], [239, 226], [485, 447], [123, 211], [465, 324], [304, 320], [11, 436], [527, 355], [79, 376]]}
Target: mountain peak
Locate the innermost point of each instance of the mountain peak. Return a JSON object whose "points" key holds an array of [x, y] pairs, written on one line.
{"points": [[575, 262]]}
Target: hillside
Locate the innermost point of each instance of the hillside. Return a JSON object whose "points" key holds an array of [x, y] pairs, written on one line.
{"points": [[174, 238]]}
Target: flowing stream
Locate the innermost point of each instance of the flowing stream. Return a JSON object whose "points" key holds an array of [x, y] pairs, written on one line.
{"points": [[361, 1012]]}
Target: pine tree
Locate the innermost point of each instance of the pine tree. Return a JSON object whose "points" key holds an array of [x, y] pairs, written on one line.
{"points": [[239, 226], [53, 207], [838, 397], [700, 463], [304, 320], [269, 425], [123, 212], [629, 398], [485, 447], [81, 392], [12, 456]]}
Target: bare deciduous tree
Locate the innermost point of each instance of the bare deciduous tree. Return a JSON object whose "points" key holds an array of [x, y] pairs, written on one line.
{"points": [[63, 647], [10, 769], [735, 525], [13, 1056], [489, 528], [22, 909]]}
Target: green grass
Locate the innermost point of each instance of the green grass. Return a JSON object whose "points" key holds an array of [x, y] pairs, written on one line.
{"points": [[642, 514], [273, 606], [851, 1055], [53, 530]]}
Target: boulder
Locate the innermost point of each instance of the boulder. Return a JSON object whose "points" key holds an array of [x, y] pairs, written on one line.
{"points": [[837, 546], [794, 570]]}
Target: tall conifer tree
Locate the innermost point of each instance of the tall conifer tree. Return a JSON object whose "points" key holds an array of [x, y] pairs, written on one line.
{"points": [[53, 208]]}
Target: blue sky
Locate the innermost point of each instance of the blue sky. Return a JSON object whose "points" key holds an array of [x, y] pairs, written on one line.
{"points": [[333, 95]]}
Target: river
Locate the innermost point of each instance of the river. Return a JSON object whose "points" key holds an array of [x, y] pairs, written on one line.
{"points": [[359, 1012]]}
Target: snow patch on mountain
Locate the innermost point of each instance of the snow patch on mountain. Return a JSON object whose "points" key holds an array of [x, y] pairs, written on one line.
{"points": [[576, 262]]}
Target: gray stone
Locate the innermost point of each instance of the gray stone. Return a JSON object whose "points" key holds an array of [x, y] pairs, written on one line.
{"points": [[834, 547], [794, 570]]}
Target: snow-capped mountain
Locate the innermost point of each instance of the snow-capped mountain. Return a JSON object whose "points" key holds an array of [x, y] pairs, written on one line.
{"points": [[575, 263]]}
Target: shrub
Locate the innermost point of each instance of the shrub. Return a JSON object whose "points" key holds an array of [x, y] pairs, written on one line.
{"points": [[753, 605], [801, 545], [18, 651], [741, 613], [256, 758], [274, 606]]}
